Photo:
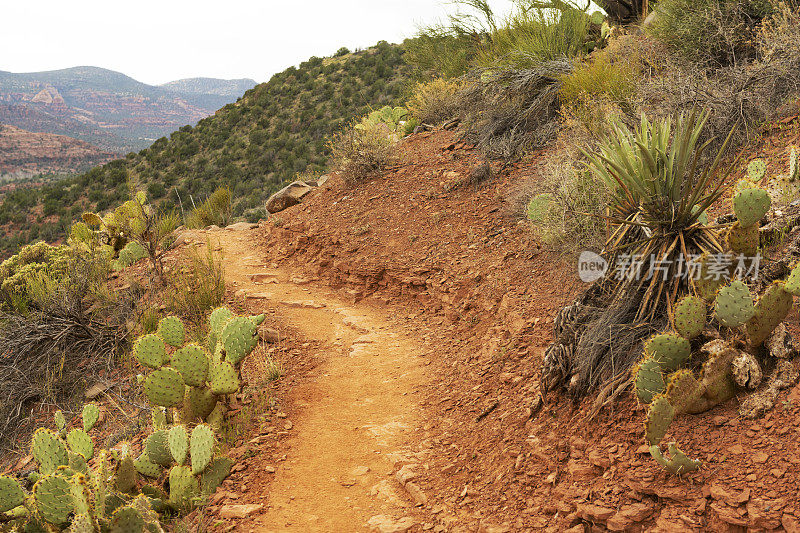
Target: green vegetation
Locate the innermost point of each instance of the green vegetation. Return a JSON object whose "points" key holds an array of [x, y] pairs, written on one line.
{"points": [[215, 210], [276, 130], [69, 494]]}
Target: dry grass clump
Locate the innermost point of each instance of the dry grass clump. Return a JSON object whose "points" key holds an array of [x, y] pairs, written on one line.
{"points": [[197, 284], [216, 209]]}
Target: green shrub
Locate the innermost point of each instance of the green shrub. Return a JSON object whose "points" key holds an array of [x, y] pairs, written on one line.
{"points": [[711, 33]]}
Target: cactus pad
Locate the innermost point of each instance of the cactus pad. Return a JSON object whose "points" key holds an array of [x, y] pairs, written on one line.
{"points": [[756, 170], [158, 418], [771, 310], [649, 380], [734, 305], [216, 471], [744, 240], [792, 284], [178, 441], [183, 487], [82, 523], [170, 328], [125, 476], [690, 317], [60, 421], [683, 391], [201, 447], [90, 416], [150, 351], [127, 520], [192, 362], [218, 318], [678, 463], [157, 448], [258, 319], [659, 417], [49, 451], [11, 494], [199, 403], [224, 379], [750, 206], [53, 499], [668, 350], [146, 467], [80, 442], [238, 338], [164, 387]]}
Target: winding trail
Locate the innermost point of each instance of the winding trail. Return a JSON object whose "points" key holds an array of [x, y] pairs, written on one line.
{"points": [[359, 413]]}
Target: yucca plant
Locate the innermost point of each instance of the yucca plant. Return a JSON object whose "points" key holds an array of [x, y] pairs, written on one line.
{"points": [[661, 191]]}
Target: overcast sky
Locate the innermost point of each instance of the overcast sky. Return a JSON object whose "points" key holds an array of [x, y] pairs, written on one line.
{"points": [[164, 40]]}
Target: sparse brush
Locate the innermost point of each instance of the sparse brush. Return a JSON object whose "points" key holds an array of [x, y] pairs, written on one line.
{"points": [[273, 370]]}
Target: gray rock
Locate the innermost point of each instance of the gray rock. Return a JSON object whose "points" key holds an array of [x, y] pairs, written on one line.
{"points": [[290, 195]]}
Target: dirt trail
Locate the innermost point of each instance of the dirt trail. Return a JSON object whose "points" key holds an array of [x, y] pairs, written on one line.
{"points": [[359, 411]]}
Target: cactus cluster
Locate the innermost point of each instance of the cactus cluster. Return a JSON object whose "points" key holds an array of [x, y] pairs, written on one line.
{"points": [[194, 377], [660, 378], [68, 495]]}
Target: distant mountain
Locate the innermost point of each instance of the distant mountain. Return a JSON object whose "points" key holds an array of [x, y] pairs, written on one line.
{"points": [[25, 153], [228, 88], [277, 130], [102, 107]]}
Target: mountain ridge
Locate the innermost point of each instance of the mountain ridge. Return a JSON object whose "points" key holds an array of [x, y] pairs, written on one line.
{"points": [[104, 107]]}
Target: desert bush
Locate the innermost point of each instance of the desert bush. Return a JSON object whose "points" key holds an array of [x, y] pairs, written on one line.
{"points": [[565, 207], [65, 336], [360, 152], [216, 209], [31, 274], [711, 33], [435, 101], [598, 91], [197, 284]]}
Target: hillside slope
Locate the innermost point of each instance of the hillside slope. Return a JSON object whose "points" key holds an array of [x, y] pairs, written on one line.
{"points": [[278, 129], [101, 106], [460, 268], [229, 88], [25, 152]]}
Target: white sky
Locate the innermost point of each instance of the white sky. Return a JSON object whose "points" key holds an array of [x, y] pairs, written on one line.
{"points": [[159, 41]]}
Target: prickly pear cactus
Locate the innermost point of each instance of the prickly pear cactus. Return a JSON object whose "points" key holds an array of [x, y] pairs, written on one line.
{"points": [[669, 350], [238, 338], [734, 305], [52, 496], [49, 451], [750, 205], [677, 463], [80, 442], [164, 387], [649, 380], [184, 488], [11, 494], [90, 416], [150, 351], [690, 317], [127, 520], [744, 240], [225, 379], [171, 329], [192, 362], [212, 477], [771, 309], [218, 318], [659, 417], [178, 441], [756, 170], [199, 403], [157, 448], [201, 447]]}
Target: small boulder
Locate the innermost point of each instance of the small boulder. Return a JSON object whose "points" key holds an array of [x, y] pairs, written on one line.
{"points": [[290, 195]]}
